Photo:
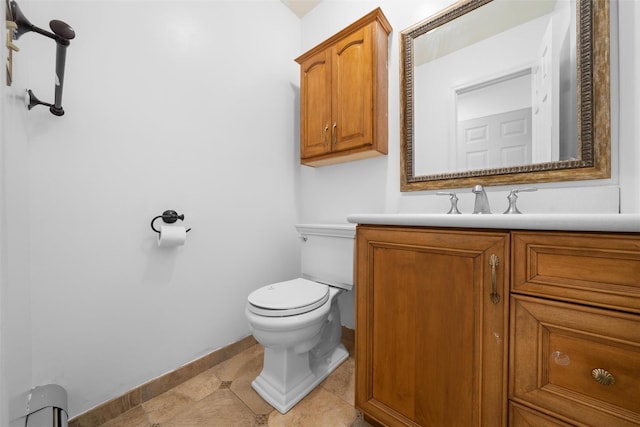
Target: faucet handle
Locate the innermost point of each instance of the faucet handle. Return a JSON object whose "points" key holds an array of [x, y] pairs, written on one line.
{"points": [[513, 196], [454, 201]]}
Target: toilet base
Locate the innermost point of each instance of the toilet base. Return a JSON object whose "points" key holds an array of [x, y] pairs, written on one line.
{"points": [[287, 377]]}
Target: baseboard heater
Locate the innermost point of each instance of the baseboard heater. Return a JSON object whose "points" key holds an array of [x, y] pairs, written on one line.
{"points": [[47, 407]]}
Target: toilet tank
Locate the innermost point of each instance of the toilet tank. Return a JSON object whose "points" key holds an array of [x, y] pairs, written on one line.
{"points": [[327, 253]]}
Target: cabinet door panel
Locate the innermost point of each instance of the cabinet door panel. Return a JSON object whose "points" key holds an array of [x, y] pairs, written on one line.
{"points": [[414, 342], [521, 416], [315, 105], [428, 336], [353, 91]]}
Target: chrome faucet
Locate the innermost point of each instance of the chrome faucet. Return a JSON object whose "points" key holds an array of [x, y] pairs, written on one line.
{"points": [[482, 202]]}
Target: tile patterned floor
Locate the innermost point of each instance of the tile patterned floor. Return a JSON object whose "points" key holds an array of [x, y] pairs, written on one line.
{"points": [[222, 396]]}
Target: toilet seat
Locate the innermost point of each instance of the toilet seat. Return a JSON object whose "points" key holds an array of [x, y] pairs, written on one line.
{"points": [[288, 298]]}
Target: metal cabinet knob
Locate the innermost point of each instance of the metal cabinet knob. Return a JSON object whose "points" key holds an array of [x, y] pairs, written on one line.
{"points": [[602, 376]]}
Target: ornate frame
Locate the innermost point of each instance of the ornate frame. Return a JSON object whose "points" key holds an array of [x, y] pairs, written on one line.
{"points": [[594, 128]]}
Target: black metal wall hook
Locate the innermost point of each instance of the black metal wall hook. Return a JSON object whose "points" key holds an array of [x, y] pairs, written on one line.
{"points": [[169, 217], [62, 34]]}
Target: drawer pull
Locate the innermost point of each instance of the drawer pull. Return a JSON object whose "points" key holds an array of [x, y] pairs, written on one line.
{"points": [[334, 137], [326, 128], [602, 376], [493, 262]]}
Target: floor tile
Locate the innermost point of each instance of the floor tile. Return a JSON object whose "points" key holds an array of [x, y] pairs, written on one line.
{"points": [[342, 382], [165, 406], [249, 362], [319, 409], [242, 388], [221, 408], [199, 386], [136, 417]]}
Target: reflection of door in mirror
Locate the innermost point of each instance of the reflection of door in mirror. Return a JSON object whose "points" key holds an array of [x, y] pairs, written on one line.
{"points": [[545, 104], [494, 123]]}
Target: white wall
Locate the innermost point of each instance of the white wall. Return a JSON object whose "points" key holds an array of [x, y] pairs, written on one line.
{"points": [[191, 106], [15, 302], [629, 104], [370, 186], [169, 105]]}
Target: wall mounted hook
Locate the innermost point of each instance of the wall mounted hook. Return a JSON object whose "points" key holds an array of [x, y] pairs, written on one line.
{"points": [[61, 33]]}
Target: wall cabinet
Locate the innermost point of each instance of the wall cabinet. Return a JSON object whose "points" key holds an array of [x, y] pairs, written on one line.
{"points": [[343, 94], [560, 347]]}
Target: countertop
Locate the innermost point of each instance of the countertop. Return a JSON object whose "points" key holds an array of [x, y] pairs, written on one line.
{"points": [[565, 222]]}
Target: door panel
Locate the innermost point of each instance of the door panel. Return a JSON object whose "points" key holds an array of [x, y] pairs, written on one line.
{"points": [[352, 91], [315, 105], [428, 336]]}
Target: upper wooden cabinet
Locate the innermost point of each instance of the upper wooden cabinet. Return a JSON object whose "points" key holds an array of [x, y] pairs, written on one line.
{"points": [[343, 94]]}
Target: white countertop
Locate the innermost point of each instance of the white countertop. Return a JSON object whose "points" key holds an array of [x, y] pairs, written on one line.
{"points": [[565, 222]]}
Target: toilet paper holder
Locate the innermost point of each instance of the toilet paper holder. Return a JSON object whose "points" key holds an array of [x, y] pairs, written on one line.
{"points": [[169, 217]]}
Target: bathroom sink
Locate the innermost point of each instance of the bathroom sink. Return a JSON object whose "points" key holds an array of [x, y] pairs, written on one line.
{"points": [[572, 222]]}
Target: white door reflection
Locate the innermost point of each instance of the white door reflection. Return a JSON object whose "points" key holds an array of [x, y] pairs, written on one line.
{"points": [[494, 123]]}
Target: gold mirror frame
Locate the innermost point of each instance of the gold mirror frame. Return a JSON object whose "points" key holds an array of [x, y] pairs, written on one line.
{"points": [[594, 129]]}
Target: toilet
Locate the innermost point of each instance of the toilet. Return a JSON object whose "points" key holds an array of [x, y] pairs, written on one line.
{"points": [[298, 321]]}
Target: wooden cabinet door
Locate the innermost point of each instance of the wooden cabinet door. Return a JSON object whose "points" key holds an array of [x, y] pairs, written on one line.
{"points": [[315, 105], [352, 91], [431, 344]]}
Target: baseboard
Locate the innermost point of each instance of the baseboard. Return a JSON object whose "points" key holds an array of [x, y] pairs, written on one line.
{"points": [[111, 409], [349, 340]]}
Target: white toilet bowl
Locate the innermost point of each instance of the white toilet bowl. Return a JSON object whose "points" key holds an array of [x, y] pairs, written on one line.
{"points": [[298, 323], [301, 350]]}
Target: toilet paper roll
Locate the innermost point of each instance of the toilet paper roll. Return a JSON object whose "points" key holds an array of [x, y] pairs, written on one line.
{"points": [[171, 236]]}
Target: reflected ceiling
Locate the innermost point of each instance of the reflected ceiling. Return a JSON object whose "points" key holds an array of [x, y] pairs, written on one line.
{"points": [[483, 23]]}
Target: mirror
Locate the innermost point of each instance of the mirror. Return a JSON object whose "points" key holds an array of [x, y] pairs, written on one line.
{"points": [[506, 92]]}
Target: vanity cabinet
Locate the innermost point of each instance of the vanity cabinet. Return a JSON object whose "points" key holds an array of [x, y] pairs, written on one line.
{"points": [[560, 347], [431, 329], [343, 94]]}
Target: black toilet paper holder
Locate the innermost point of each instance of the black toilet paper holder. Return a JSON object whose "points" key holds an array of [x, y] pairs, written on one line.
{"points": [[169, 217]]}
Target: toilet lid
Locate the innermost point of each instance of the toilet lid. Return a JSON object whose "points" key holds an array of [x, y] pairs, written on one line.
{"points": [[288, 298]]}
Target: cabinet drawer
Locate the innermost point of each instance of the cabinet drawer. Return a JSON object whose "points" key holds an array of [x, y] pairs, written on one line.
{"points": [[593, 268], [554, 349], [521, 416]]}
